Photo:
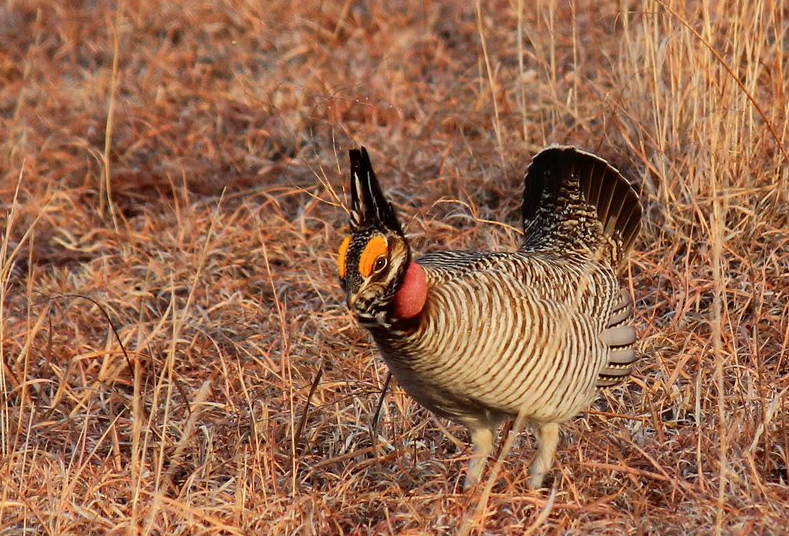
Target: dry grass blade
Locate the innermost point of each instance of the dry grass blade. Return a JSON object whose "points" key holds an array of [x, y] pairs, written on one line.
{"points": [[543, 515], [105, 186], [380, 404], [306, 411]]}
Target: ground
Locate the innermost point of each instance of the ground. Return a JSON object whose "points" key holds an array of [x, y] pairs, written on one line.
{"points": [[173, 177]]}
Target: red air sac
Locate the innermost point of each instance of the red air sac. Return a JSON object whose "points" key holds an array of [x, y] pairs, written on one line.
{"points": [[410, 299]]}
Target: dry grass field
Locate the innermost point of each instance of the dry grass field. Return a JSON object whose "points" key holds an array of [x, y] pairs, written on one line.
{"points": [[172, 183]]}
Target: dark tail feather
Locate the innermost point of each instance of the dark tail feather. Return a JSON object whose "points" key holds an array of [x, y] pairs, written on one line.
{"points": [[574, 199]]}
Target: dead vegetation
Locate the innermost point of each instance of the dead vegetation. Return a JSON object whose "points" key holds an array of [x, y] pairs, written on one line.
{"points": [[177, 167]]}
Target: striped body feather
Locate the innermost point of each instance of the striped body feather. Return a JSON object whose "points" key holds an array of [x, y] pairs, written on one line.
{"points": [[503, 333]]}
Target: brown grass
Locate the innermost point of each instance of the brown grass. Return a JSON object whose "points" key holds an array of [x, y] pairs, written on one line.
{"points": [[181, 165]]}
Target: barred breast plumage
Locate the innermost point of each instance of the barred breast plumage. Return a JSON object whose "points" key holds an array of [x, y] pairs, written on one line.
{"points": [[479, 336]]}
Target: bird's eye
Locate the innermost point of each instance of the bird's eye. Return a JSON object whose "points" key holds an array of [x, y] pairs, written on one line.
{"points": [[380, 264]]}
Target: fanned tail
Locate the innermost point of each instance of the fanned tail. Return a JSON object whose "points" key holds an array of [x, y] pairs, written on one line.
{"points": [[576, 200]]}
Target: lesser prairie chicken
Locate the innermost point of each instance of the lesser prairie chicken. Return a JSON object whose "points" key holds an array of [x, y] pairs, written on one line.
{"points": [[477, 336]]}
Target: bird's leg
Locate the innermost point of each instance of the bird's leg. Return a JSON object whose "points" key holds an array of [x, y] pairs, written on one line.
{"points": [[482, 441], [547, 439]]}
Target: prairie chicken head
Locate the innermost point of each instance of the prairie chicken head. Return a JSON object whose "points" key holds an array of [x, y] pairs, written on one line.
{"points": [[381, 282]]}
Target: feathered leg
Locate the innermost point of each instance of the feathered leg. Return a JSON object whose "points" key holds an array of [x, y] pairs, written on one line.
{"points": [[482, 441], [547, 439]]}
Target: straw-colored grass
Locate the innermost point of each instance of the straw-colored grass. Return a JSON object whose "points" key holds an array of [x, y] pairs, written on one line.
{"points": [[171, 184]]}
